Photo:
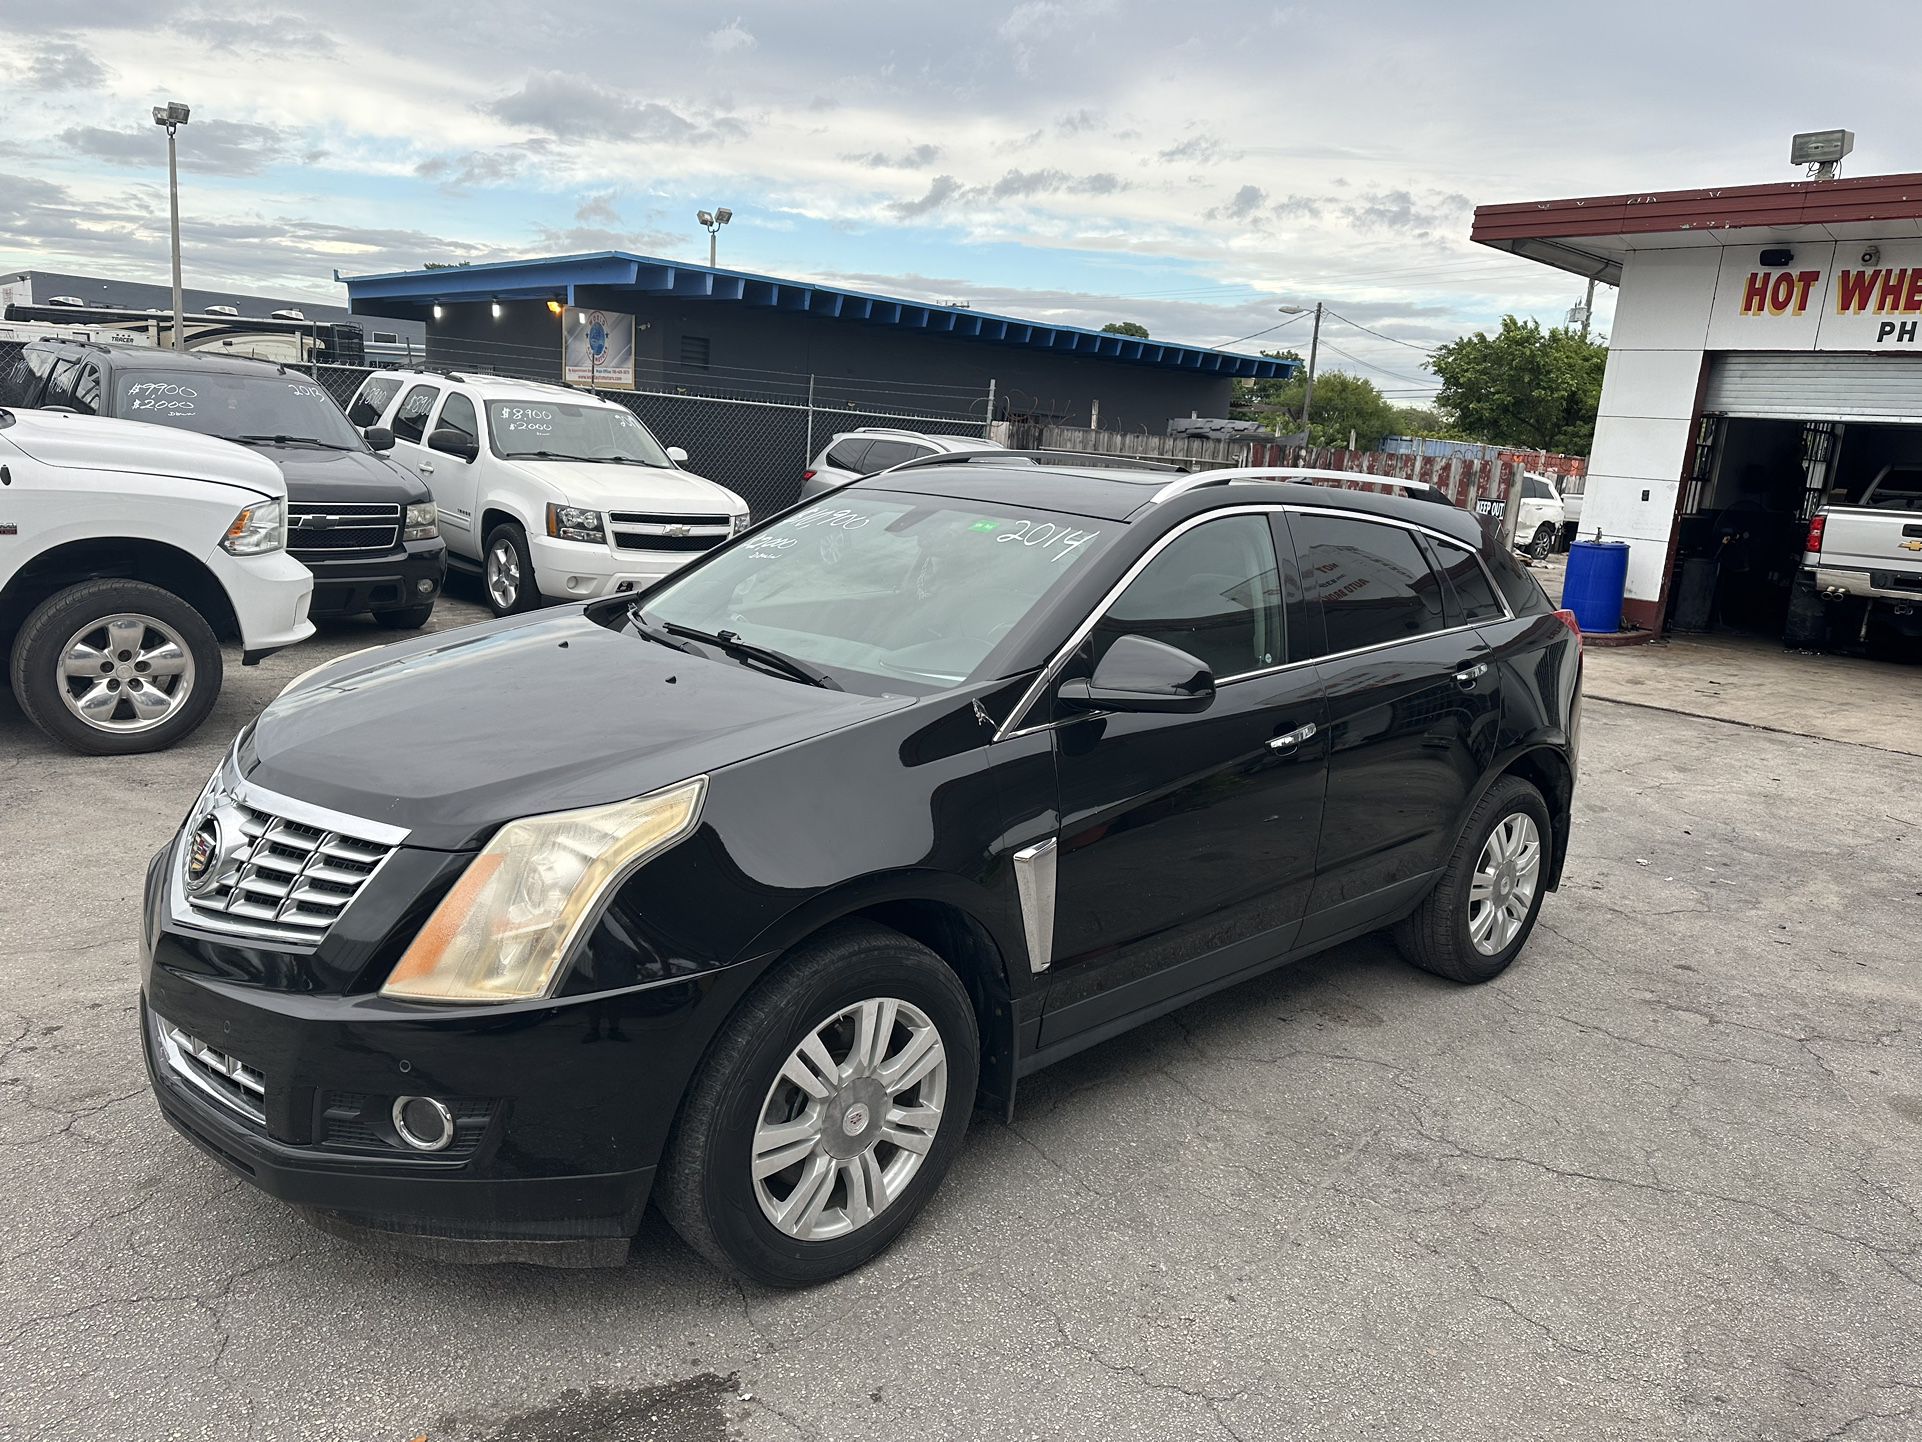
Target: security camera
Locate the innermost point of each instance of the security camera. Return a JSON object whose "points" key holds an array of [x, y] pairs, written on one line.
{"points": [[1871, 256]]}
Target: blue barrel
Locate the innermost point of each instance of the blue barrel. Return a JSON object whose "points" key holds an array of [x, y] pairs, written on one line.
{"points": [[1596, 581]]}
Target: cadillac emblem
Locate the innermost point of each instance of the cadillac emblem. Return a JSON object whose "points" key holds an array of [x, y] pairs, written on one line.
{"points": [[203, 854]]}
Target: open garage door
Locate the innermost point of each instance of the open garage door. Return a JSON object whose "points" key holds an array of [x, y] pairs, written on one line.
{"points": [[1815, 385]]}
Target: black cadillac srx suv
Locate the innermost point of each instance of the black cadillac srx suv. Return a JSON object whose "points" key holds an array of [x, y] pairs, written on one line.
{"points": [[741, 894], [364, 526]]}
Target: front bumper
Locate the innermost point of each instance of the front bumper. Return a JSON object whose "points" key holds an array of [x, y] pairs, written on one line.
{"points": [[410, 575], [565, 1103], [577, 571], [270, 595]]}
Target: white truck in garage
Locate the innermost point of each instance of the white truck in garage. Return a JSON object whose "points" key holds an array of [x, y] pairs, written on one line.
{"points": [[1862, 560]]}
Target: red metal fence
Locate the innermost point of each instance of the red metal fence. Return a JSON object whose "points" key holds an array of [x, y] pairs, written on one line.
{"points": [[1479, 486]]}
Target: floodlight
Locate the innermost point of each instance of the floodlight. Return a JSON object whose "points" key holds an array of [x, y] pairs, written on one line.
{"points": [[723, 215], [705, 217]]}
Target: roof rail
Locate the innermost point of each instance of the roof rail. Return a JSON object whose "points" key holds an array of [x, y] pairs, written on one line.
{"points": [[1301, 474], [1058, 458]]}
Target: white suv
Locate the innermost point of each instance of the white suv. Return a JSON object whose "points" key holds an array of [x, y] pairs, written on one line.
{"points": [[1538, 520], [853, 454], [545, 490], [126, 551]]}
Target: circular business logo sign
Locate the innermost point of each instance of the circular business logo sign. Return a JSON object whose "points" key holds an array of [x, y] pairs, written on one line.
{"points": [[597, 334]]}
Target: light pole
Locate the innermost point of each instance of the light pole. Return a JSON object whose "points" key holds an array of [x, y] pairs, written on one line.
{"points": [[712, 221], [172, 116], [1314, 345]]}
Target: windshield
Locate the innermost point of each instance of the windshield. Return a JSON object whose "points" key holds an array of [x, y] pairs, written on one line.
{"points": [[561, 430], [229, 405], [907, 589]]}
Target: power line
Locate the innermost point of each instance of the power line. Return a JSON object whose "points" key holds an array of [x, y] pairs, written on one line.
{"points": [[1379, 370], [1270, 331], [1424, 349]]}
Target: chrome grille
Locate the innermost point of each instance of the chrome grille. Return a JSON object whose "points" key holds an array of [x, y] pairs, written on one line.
{"points": [[272, 867], [657, 531], [320, 529], [227, 1079]]}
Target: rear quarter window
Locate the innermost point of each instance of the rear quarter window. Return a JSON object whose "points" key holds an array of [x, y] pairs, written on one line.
{"points": [[1525, 594], [846, 455], [372, 401]]}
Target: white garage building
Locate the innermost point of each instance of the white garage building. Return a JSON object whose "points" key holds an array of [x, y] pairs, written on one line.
{"points": [[1767, 349]]}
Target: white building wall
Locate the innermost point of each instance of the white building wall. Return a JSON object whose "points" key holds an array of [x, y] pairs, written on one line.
{"points": [[1642, 430]]}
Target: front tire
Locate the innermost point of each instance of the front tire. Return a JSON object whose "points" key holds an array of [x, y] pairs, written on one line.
{"points": [[827, 1111], [115, 667], [1482, 910], [507, 571]]}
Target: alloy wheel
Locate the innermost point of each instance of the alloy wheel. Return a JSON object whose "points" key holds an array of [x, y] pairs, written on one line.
{"points": [[1503, 887], [503, 573], [125, 673], [849, 1119]]}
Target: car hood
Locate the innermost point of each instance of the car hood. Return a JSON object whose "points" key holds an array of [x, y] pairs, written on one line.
{"points": [[95, 443], [452, 734], [343, 476], [601, 486]]}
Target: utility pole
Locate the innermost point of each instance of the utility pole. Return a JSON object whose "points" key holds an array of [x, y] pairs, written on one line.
{"points": [[1308, 394], [1588, 306], [171, 117]]}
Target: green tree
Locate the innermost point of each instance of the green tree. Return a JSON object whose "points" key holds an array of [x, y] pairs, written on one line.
{"points": [[1417, 421], [1526, 387], [1343, 403], [1125, 327]]}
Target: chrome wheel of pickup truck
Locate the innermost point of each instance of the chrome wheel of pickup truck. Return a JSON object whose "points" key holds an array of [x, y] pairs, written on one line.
{"points": [[126, 672]]}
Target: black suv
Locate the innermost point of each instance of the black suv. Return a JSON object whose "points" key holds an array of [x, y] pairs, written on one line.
{"points": [[741, 893], [364, 526]]}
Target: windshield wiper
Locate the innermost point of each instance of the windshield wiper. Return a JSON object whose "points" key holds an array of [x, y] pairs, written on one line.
{"points": [[291, 441], [549, 456], [730, 643]]}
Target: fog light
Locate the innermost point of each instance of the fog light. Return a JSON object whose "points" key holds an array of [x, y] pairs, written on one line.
{"points": [[424, 586], [423, 1123]]}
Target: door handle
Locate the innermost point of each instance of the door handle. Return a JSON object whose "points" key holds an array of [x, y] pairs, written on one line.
{"points": [[1293, 739], [427, 468], [1467, 679]]}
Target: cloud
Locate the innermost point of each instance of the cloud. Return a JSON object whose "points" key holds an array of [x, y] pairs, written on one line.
{"points": [[1197, 149], [1297, 207], [1031, 24], [1017, 183], [910, 159], [1079, 121], [276, 36], [597, 207], [59, 64], [941, 190], [209, 147], [569, 107], [582, 239], [476, 167], [729, 38], [1245, 205], [1403, 210]]}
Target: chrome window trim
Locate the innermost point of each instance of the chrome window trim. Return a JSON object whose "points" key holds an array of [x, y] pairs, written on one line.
{"points": [[1227, 475], [1029, 697]]}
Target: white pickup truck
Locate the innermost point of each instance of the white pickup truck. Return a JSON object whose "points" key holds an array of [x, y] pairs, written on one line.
{"points": [[126, 553], [1868, 550]]}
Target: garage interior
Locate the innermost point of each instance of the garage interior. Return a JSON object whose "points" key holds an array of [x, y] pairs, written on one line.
{"points": [[1779, 435]]}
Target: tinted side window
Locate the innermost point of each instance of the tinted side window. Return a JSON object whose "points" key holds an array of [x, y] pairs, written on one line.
{"points": [[1535, 489], [86, 390], [1372, 581], [18, 375], [372, 400], [1214, 592], [882, 454], [60, 384], [1525, 594], [410, 421], [1474, 593], [458, 415], [847, 455]]}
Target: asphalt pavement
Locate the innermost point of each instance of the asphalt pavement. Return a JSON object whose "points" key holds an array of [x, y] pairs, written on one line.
{"points": [[1663, 1179]]}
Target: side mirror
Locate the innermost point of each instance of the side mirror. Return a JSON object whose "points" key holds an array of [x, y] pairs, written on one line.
{"points": [[378, 438], [1139, 674], [677, 455], [451, 442]]}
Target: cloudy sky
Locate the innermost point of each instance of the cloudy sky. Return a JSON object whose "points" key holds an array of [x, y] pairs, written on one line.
{"points": [[1190, 167]]}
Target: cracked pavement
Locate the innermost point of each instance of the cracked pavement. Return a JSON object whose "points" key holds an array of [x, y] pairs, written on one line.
{"points": [[1662, 1179]]}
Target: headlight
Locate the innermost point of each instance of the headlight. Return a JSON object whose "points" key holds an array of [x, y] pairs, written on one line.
{"points": [[571, 523], [741, 522], [502, 933], [421, 523], [261, 528]]}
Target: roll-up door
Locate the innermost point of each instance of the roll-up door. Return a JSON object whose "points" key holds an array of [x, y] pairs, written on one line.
{"points": [[1815, 386]]}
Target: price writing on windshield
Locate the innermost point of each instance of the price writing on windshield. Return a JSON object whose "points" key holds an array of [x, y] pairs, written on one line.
{"points": [[838, 520], [525, 418], [769, 546], [161, 396], [303, 390], [1055, 542]]}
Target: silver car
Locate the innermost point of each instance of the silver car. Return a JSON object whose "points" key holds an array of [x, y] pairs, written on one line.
{"points": [[853, 454]]}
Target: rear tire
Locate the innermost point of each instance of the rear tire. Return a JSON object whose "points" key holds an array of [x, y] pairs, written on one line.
{"points": [[507, 571], [1542, 546], [410, 618], [1807, 627], [1462, 929], [115, 667], [745, 1104]]}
